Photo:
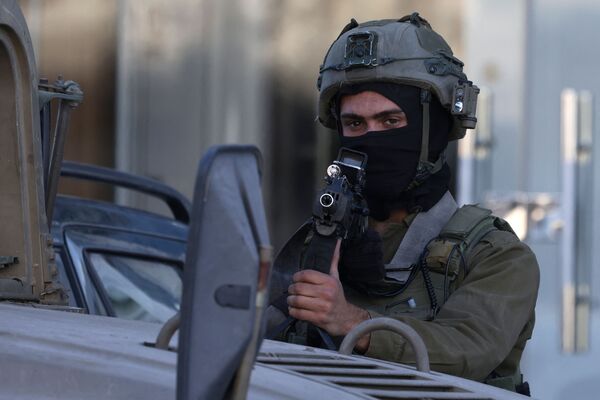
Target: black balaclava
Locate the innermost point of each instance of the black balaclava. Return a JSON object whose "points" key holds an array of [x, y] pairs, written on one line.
{"points": [[394, 153]]}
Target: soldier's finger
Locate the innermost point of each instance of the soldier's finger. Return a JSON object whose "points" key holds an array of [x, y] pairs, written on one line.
{"points": [[307, 303], [304, 289]]}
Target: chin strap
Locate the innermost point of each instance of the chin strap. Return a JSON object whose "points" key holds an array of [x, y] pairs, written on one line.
{"points": [[426, 168]]}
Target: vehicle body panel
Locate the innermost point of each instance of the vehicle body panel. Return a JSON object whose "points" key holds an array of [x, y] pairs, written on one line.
{"points": [[75, 356], [26, 243]]}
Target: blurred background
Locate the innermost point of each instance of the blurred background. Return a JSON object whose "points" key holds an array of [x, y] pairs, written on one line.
{"points": [[164, 80]]}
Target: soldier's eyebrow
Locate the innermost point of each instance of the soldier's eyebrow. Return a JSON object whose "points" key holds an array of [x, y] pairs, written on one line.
{"points": [[379, 115], [388, 113], [351, 116]]}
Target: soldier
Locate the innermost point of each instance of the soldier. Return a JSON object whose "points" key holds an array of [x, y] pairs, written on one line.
{"points": [[459, 276]]}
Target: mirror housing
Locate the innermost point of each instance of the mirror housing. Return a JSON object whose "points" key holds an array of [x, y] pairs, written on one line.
{"points": [[223, 284]]}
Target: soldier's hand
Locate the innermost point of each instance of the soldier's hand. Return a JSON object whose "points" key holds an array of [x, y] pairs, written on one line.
{"points": [[319, 299]]}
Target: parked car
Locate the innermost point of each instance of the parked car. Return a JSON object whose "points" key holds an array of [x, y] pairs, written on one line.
{"points": [[120, 261]]}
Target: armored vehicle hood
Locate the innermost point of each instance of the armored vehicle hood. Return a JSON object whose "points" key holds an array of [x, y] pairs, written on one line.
{"points": [[56, 354]]}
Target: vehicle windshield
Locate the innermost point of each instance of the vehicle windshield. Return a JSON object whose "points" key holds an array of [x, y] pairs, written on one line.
{"points": [[140, 289]]}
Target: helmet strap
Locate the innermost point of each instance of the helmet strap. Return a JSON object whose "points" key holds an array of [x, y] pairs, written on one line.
{"points": [[426, 168], [425, 99]]}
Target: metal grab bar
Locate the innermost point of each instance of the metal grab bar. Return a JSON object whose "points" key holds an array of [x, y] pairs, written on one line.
{"points": [[576, 146], [69, 96], [388, 324]]}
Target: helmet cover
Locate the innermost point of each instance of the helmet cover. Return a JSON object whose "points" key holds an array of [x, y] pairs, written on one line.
{"points": [[405, 51]]}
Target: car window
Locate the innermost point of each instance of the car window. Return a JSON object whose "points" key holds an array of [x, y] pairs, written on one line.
{"points": [[140, 289]]}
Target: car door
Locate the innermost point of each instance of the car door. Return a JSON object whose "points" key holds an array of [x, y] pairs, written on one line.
{"points": [[125, 274]]}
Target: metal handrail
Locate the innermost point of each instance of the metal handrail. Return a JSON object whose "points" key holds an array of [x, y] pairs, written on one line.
{"points": [[393, 325], [167, 331]]}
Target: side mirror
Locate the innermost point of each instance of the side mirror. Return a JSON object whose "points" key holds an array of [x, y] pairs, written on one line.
{"points": [[225, 275]]}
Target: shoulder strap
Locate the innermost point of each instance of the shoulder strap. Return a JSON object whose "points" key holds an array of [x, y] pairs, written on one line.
{"points": [[467, 226], [464, 221], [470, 224], [465, 229], [425, 227]]}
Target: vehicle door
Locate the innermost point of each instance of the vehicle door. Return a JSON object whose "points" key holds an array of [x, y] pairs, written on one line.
{"points": [[124, 274]]}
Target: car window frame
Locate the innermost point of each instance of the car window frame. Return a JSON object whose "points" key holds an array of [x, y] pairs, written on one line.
{"points": [[97, 282], [89, 243]]}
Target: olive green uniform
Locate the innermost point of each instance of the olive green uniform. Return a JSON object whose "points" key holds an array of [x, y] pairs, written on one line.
{"points": [[482, 328]]}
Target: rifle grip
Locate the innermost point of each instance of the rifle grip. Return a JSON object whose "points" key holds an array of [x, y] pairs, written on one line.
{"points": [[319, 253]]}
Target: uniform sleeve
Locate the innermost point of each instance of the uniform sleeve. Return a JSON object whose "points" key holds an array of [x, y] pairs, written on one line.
{"points": [[481, 321]]}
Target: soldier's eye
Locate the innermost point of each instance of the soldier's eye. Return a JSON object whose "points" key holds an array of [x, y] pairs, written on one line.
{"points": [[353, 123], [395, 120]]}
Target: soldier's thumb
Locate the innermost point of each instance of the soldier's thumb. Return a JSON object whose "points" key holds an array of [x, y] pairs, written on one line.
{"points": [[333, 271]]}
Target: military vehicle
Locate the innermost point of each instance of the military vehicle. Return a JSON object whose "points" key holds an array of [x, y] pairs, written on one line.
{"points": [[53, 347]]}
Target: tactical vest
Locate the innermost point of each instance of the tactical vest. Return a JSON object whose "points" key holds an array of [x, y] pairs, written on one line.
{"points": [[440, 268], [445, 257], [445, 261], [444, 269]]}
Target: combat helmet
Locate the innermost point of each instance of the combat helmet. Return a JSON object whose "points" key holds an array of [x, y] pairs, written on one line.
{"points": [[405, 51]]}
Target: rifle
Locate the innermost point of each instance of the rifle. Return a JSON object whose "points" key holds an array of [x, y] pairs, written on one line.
{"points": [[339, 209], [339, 212]]}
